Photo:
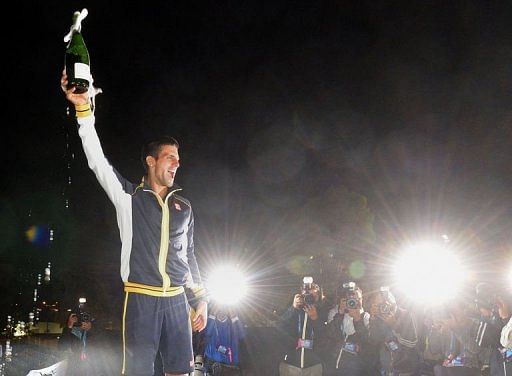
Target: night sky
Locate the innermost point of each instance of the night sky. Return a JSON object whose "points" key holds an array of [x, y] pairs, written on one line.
{"points": [[326, 128]]}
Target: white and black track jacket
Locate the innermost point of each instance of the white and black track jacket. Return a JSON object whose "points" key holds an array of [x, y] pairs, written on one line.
{"points": [[157, 254]]}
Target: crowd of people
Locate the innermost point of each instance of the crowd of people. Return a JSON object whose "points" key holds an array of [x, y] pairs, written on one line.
{"points": [[375, 333]]}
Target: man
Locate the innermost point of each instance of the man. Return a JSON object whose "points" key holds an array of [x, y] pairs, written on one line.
{"points": [[393, 330], [506, 342], [223, 342], [303, 324], [347, 331], [506, 335], [157, 255], [462, 354], [494, 312], [73, 342]]}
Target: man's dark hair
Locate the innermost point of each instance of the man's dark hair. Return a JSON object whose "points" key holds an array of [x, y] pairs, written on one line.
{"points": [[153, 148]]}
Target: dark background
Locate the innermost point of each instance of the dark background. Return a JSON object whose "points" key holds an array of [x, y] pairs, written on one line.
{"points": [[313, 135]]}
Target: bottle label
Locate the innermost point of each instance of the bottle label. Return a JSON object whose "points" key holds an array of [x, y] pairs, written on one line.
{"points": [[82, 71]]}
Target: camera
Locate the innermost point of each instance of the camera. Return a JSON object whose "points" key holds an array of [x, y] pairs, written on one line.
{"points": [[352, 298], [306, 292], [83, 317], [81, 314], [352, 303], [385, 308]]}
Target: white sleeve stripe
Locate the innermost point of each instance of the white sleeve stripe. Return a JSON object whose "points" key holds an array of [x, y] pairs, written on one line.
{"points": [[110, 183], [125, 224], [97, 162]]}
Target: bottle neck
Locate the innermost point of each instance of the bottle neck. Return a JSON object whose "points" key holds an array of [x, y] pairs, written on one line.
{"points": [[76, 27]]}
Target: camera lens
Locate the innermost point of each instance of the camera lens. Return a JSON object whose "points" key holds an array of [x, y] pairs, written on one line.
{"points": [[352, 303], [308, 298], [385, 309]]}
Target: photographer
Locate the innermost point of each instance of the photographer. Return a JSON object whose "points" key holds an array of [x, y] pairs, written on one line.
{"points": [[433, 341], [347, 332], [303, 323], [461, 353], [393, 331], [506, 342], [494, 312], [224, 342], [74, 340], [506, 335]]}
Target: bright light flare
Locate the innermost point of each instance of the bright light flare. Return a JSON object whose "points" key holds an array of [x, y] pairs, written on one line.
{"points": [[227, 285], [429, 273]]}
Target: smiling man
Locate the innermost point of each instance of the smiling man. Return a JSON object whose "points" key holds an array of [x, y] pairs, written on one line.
{"points": [[157, 254]]}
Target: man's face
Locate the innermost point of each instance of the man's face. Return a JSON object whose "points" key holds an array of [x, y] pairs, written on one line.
{"points": [[315, 293], [164, 167]]}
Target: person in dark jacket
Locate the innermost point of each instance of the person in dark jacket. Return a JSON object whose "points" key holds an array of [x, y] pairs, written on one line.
{"points": [[303, 324], [393, 331], [432, 342], [494, 312], [461, 353], [73, 343], [347, 334]]}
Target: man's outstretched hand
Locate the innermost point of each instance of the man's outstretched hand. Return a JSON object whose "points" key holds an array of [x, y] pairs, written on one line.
{"points": [[76, 99]]}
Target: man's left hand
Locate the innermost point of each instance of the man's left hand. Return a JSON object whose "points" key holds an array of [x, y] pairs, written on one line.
{"points": [[200, 317]]}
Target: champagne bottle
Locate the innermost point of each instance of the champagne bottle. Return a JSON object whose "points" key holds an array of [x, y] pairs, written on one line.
{"points": [[76, 58]]}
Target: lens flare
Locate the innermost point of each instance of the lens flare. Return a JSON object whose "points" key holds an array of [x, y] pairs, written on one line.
{"points": [[38, 235], [227, 285], [357, 269], [429, 273]]}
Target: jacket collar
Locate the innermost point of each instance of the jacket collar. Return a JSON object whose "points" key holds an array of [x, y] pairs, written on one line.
{"points": [[145, 186]]}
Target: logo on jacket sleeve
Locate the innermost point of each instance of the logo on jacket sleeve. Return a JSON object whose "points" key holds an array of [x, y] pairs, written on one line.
{"points": [[177, 206]]}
